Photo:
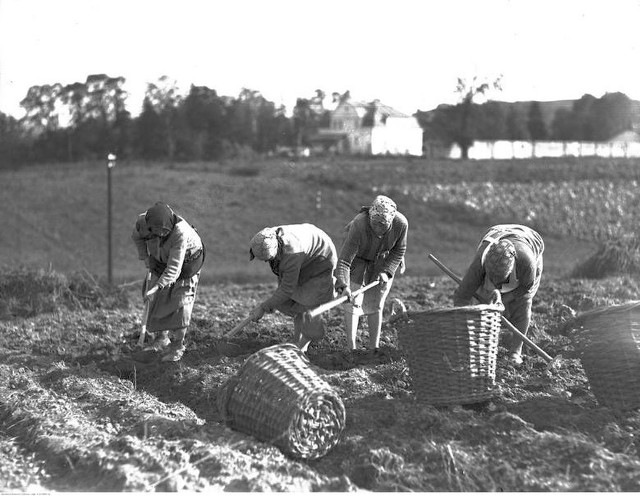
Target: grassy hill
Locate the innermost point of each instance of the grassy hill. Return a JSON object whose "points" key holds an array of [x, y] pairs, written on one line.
{"points": [[56, 214]]}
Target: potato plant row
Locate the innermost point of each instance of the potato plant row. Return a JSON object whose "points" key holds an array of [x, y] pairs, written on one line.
{"points": [[596, 209]]}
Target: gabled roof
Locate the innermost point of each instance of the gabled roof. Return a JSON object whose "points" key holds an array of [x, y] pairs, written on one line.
{"points": [[380, 107]]}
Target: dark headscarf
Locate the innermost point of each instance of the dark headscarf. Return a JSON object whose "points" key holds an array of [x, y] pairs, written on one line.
{"points": [[160, 215]]}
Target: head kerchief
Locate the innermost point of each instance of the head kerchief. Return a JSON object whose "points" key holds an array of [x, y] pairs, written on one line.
{"points": [[160, 216], [500, 260], [264, 245], [383, 209]]}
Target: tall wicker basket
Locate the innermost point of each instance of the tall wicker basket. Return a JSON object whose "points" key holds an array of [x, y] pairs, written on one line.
{"points": [[452, 353], [608, 340], [277, 398]]}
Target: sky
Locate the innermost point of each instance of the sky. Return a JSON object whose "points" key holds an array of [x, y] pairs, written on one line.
{"points": [[406, 53]]}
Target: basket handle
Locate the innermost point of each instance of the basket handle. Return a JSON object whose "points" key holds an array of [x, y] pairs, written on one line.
{"points": [[511, 327]]}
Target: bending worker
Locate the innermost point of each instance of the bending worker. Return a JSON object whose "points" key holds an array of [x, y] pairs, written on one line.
{"points": [[509, 260], [374, 248], [174, 254], [303, 258]]}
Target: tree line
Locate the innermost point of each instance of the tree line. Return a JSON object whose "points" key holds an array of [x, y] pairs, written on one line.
{"points": [[587, 119], [87, 120], [81, 121]]}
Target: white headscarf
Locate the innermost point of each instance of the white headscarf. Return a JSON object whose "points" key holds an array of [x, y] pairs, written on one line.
{"points": [[383, 209], [264, 245]]}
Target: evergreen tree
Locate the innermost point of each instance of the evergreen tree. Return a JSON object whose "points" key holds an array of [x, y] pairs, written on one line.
{"points": [[516, 129], [165, 98], [204, 113], [584, 124], [563, 126], [611, 115], [535, 123], [150, 132]]}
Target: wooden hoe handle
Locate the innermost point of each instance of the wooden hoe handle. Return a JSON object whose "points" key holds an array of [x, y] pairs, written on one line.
{"points": [[339, 301], [312, 313], [145, 313], [238, 328]]}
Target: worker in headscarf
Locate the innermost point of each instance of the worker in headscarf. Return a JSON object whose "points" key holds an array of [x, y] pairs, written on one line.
{"points": [[508, 260], [373, 249], [174, 254], [303, 258]]}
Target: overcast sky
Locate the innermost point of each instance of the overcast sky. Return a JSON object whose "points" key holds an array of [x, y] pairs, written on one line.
{"points": [[406, 53]]}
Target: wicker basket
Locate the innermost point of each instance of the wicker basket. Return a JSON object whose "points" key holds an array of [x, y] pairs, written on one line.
{"points": [[277, 398], [452, 353], [608, 340]]}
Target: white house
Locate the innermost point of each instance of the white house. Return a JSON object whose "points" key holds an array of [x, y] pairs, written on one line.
{"points": [[371, 129]]}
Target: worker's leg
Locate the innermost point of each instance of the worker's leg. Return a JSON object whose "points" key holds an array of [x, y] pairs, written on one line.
{"points": [[374, 320], [518, 312], [352, 313], [351, 321], [372, 306]]}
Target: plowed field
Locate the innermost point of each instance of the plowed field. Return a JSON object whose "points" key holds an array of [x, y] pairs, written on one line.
{"points": [[82, 408]]}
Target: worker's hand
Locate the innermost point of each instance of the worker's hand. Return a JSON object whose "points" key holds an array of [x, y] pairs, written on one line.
{"points": [[495, 298], [343, 290], [256, 314], [383, 277], [149, 294], [347, 292]]}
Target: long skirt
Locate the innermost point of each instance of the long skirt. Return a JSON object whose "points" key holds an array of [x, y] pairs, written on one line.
{"points": [[310, 294], [171, 306]]}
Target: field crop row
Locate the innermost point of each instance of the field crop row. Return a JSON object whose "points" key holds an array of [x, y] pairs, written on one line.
{"points": [[596, 210]]}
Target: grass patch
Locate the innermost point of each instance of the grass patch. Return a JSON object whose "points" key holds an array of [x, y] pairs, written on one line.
{"points": [[26, 292], [244, 171], [619, 256], [449, 204]]}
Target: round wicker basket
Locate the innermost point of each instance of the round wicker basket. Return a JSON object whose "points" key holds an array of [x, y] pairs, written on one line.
{"points": [[608, 340], [277, 398], [452, 353]]}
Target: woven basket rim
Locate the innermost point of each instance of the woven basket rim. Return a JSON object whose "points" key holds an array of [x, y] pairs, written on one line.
{"points": [[291, 346], [466, 308], [596, 312], [260, 354]]}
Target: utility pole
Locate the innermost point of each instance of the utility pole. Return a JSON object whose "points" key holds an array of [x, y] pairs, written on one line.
{"points": [[111, 163]]}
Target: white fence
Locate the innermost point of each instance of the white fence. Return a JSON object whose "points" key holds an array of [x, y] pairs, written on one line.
{"points": [[528, 149]]}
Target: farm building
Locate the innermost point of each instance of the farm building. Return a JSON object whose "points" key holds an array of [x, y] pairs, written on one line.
{"points": [[370, 129]]}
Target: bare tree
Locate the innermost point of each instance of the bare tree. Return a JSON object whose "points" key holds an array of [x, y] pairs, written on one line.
{"points": [[467, 92]]}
